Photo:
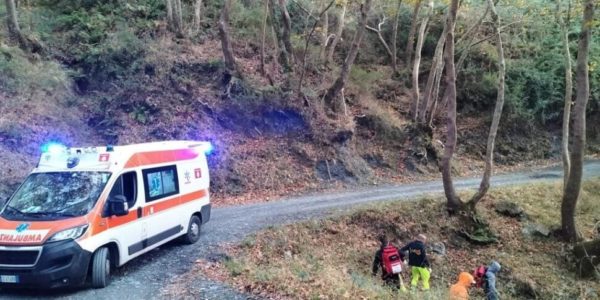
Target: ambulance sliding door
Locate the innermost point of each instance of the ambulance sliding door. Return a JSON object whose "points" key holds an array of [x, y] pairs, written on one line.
{"points": [[161, 208]]}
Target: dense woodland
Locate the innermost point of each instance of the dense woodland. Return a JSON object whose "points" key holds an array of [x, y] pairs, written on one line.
{"points": [[335, 75]]}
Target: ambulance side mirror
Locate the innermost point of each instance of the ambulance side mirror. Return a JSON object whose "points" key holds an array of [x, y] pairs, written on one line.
{"points": [[118, 206]]}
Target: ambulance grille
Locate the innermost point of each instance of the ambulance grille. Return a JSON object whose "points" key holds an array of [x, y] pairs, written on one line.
{"points": [[18, 258]]}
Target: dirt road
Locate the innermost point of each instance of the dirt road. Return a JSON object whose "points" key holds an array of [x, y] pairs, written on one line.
{"points": [[144, 278]]}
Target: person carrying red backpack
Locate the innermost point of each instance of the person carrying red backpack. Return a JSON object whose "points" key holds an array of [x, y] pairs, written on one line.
{"points": [[389, 259]]}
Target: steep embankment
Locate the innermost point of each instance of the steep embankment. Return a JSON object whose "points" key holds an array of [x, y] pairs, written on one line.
{"points": [[139, 84]]}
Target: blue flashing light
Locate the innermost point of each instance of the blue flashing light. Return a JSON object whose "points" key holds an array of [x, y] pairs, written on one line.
{"points": [[208, 148], [53, 148]]}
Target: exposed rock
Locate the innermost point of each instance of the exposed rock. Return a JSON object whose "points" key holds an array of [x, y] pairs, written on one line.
{"points": [[509, 209], [438, 248], [535, 230]]}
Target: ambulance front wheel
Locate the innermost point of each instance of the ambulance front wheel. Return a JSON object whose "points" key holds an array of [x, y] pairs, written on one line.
{"points": [[101, 268], [193, 232]]}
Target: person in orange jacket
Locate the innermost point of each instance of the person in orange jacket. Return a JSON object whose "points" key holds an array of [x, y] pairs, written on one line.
{"points": [[460, 291]]}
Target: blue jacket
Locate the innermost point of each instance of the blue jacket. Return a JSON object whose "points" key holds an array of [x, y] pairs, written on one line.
{"points": [[490, 281]]}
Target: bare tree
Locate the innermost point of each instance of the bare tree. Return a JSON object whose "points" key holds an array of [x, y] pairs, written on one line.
{"points": [[568, 91], [338, 32], [286, 28], [324, 36], [263, 37], [491, 142], [382, 40], [395, 36], [573, 188], [437, 66], [12, 22], [284, 55], [454, 201], [198, 15], [230, 64], [170, 18], [417, 63], [471, 37], [308, 37], [174, 16], [410, 44], [334, 91]]}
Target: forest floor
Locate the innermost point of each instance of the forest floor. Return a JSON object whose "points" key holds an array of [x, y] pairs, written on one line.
{"points": [[331, 258]]}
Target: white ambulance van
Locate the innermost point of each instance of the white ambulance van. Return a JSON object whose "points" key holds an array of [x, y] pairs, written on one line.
{"points": [[84, 211]]}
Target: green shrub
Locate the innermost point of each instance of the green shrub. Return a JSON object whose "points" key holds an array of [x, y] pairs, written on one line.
{"points": [[363, 78], [20, 75]]}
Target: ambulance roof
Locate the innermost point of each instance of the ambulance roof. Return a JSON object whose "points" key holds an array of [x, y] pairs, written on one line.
{"points": [[110, 159]]}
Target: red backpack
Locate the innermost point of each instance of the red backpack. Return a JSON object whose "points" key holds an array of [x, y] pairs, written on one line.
{"points": [[392, 261], [479, 275]]}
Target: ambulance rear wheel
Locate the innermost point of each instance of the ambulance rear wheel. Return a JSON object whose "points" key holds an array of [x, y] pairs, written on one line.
{"points": [[101, 268], [193, 232]]}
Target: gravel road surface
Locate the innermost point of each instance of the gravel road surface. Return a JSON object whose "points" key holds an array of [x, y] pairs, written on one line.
{"points": [[144, 277]]}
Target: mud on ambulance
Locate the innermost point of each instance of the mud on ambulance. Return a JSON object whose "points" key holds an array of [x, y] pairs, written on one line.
{"points": [[82, 212]]}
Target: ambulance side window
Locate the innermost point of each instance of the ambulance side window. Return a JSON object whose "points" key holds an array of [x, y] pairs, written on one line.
{"points": [[160, 182], [126, 185]]}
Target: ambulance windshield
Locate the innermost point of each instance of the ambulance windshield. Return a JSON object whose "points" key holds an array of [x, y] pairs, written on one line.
{"points": [[56, 195]]}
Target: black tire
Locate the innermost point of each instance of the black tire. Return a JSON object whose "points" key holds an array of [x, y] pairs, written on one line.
{"points": [[101, 268], [193, 231]]}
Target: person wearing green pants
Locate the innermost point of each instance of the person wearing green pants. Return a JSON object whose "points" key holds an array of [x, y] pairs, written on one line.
{"points": [[417, 260]]}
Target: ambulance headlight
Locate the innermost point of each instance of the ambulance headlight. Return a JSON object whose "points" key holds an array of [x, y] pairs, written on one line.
{"points": [[71, 233]]}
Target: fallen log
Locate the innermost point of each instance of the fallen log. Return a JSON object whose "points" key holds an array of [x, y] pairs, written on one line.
{"points": [[587, 259]]}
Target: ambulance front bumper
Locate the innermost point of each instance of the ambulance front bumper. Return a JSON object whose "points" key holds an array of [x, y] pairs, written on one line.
{"points": [[59, 264]]}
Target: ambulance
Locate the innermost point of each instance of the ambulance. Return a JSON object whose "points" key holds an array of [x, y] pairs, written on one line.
{"points": [[83, 212]]}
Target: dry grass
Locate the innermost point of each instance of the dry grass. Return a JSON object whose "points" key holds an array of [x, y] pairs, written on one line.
{"points": [[331, 259]]}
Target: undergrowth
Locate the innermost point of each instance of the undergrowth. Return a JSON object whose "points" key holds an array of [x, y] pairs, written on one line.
{"points": [[331, 258]]}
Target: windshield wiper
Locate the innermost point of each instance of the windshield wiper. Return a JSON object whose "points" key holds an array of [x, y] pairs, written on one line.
{"points": [[14, 209]]}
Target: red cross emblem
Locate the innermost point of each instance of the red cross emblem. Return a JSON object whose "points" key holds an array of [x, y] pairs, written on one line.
{"points": [[104, 157]]}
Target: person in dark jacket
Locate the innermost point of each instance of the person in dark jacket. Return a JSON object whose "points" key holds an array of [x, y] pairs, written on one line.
{"points": [[417, 260], [489, 284], [393, 280]]}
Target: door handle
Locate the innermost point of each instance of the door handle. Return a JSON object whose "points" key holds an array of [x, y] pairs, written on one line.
{"points": [[139, 212]]}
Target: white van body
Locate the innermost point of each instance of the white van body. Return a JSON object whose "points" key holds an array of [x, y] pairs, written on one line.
{"points": [[83, 211]]}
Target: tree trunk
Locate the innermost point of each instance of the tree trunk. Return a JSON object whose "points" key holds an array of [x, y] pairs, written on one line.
{"points": [[12, 22], [178, 19], [568, 93], [417, 64], [411, 34], [170, 18], [308, 37], [284, 56], [383, 42], [395, 37], [324, 37], [491, 142], [286, 28], [587, 259], [230, 64], [434, 73], [436, 95], [333, 92], [573, 188], [198, 15], [263, 38], [338, 33], [454, 203]]}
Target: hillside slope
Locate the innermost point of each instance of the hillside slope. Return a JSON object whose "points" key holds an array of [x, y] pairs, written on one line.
{"points": [[116, 75]]}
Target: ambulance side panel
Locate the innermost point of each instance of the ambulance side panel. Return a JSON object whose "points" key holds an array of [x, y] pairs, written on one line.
{"points": [[152, 223]]}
